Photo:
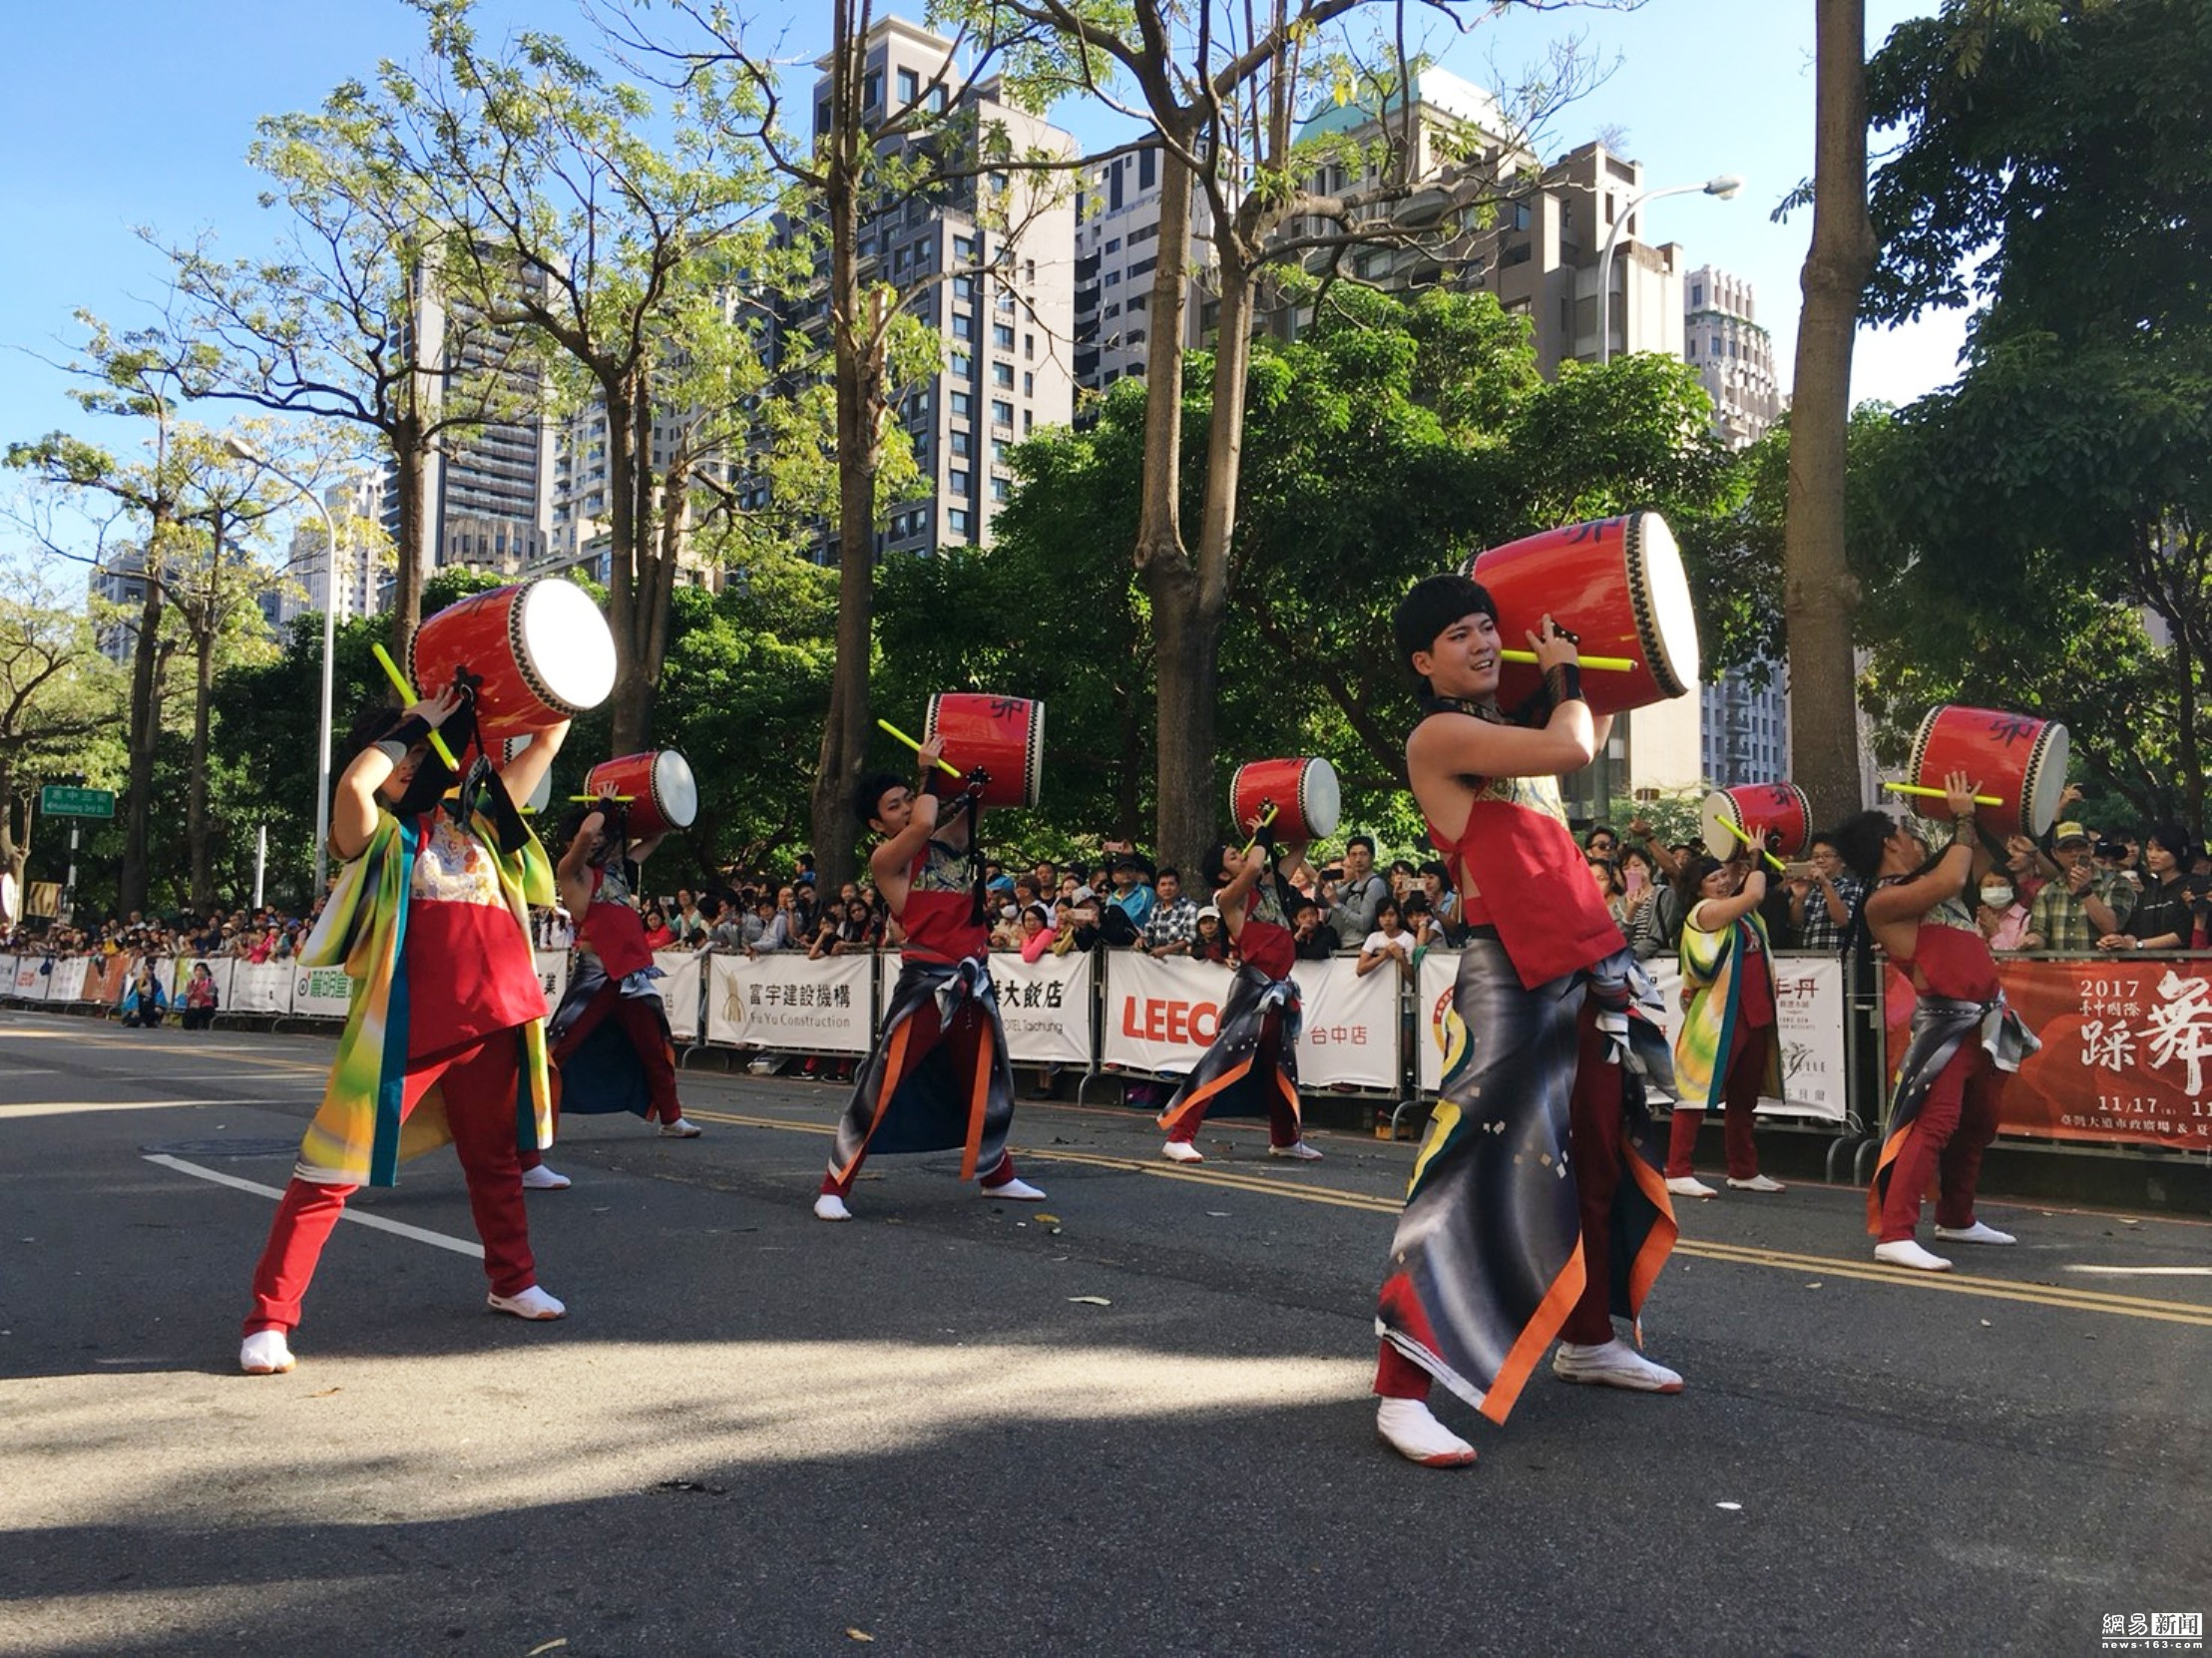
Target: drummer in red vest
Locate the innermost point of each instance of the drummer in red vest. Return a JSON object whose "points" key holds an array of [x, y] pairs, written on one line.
{"points": [[1252, 1063], [1530, 1214], [611, 1050], [1966, 1039], [939, 1078], [444, 1038]]}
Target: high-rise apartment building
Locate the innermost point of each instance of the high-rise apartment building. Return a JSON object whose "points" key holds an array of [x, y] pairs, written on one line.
{"points": [[1733, 355], [1118, 228], [362, 579], [989, 262]]}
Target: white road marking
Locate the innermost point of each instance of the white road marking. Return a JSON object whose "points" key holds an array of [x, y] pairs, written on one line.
{"points": [[400, 1228], [2144, 1272], [70, 1107]]}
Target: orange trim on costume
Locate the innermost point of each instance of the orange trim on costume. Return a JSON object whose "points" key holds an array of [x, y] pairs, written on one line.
{"points": [[1878, 1189], [1290, 1094], [1644, 1270], [1536, 1335], [893, 1074], [979, 1099], [1197, 1102]]}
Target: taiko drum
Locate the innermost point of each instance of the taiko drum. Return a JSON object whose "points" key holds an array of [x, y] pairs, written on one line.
{"points": [[1002, 736], [662, 793], [1780, 809], [2017, 758], [540, 651], [1308, 804], [1618, 584]]}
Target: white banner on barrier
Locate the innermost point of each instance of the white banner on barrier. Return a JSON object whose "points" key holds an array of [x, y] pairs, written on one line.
{"points": [[8, 966], [552, 976], [683, 972], [887, 978], [784, 1001], [322, 993], [1810, 1011], [29, 984], [1351, 1029], [259, 988], [67, 982], [1161, 1015], [1046, 1008]]}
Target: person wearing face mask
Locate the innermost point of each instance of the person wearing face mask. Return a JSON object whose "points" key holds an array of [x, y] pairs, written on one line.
{"points": [[2000, 913], [445, 1032]]}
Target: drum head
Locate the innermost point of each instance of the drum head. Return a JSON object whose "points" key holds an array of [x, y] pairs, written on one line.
{"points": [[2047, 778], [1719, 815], [1320, 799], [1665, 614], [674, 789], [565, 643]]}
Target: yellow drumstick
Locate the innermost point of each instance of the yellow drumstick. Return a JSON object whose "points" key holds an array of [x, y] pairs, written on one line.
{"points": [[1746, 839], [1939, 795], [407, 695], [1266, 817], [619, 800], [943, 765], [1604, 665]]}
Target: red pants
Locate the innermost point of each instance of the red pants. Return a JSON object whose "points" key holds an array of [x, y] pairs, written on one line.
{"points": [[1739, 1094], [1955, 1126], [965, 1044], [479, 1080], [1596, 1125], [643, 1025]]}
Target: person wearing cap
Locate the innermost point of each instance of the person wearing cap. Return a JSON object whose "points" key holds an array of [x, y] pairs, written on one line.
{"points": [[1964, 1041], [1531, 1216], [2083, 905]]}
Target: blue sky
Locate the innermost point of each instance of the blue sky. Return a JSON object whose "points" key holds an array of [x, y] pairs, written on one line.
{"points": [[138, 111]]}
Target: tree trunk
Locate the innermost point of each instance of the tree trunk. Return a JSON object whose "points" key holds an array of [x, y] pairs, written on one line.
{"points": [[14, 853], [198, 831], [411, 459], [136, 877], [1819, 594], [627, 562]]}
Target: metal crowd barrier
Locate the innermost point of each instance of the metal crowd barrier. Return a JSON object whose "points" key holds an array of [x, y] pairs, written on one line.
{"points": [[2126, 1061]]}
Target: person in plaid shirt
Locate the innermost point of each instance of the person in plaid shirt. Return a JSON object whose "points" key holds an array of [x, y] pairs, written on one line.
{"points": [[1821, 903], [2083, 905], [1173, 922]]}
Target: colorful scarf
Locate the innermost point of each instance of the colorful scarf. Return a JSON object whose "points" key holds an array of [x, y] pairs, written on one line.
{"points": [[357, 1136], [1711, 962]]}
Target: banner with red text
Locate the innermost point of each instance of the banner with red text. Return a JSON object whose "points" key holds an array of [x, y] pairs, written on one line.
{"points": [[1161, 1015], [2126, 1055]]}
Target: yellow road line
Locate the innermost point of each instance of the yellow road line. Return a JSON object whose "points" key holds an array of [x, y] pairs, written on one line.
{"points": [[1997, 1289]]}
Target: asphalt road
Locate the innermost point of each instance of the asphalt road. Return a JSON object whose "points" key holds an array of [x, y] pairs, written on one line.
{"points": [[1133, 1423]]}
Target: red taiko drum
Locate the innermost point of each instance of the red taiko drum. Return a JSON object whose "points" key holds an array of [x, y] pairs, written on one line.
{"points": [[542, 795], [1616, 584], [542, 651], [1003, 735], [662, 793], [2017, 758], [1308, 804], [1781, 809]]}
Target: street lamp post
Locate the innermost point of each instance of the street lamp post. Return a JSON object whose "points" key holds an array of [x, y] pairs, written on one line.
{"points": [[245, 451], [1725, 187]]}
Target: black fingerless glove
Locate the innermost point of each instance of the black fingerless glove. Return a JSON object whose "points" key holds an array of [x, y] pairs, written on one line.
{"points": [[1562, 682]]}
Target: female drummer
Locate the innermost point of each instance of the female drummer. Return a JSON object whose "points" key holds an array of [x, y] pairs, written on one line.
{"points": [[445, 1032], [1727, 1050], [1252, 1063]]}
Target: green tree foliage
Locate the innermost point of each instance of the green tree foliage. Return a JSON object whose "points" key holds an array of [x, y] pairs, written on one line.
{"points": [[2054, 168], [1390, 441]]}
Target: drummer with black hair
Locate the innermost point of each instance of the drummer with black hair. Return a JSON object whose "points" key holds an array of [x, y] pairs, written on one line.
{"points": [[444, 1037], [938, 1079], [612, 1048], [1251, 1065], [1531, 1216]]}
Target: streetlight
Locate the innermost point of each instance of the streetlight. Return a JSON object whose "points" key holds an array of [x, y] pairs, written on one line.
{"points": [[1725, 187], [245, 451]]}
